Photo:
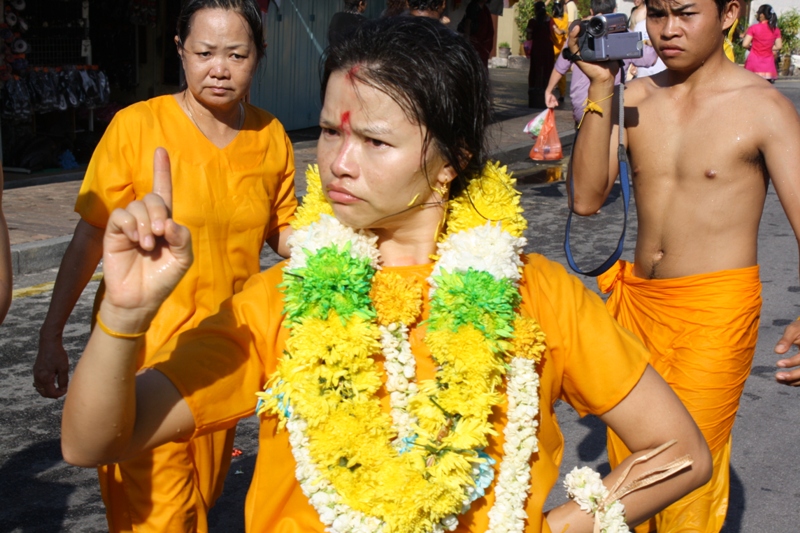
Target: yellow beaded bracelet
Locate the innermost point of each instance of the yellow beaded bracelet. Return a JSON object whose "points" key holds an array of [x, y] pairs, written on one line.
{"points": [[116, 334]]}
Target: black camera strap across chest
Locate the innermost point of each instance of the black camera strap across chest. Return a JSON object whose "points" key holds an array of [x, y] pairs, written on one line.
{"points": [[624, 182]]}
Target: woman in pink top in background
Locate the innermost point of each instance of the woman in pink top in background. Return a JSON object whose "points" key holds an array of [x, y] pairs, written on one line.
{"points": [[763, 40]]}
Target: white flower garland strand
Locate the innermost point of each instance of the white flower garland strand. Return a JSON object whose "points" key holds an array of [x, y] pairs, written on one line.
{"points": [[401, 371], [585, 486], [514, 482]]}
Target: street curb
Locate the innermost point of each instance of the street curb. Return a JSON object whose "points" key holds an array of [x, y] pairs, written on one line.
{"points": [[43, 180], [36, 256]]}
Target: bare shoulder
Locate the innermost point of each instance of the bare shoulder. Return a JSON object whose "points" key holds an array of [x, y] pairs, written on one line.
{"points": [[758, 97], [639, 89]]}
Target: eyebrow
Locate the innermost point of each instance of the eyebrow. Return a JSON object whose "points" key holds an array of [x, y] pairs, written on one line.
{"points": [[684, 7], [229, 47], [368, 131]]}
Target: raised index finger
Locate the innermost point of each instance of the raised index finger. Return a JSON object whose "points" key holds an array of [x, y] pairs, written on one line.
{"points": [[162, 177]]}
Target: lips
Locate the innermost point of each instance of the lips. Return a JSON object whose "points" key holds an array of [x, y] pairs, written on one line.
{"points": [[340, 195], [671, 51]]}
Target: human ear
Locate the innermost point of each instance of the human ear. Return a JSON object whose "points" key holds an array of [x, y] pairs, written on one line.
{"points": [[446, 175], [730, 13], [179, 46]]}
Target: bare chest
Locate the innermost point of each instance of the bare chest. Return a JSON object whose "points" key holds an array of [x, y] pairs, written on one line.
{"points": [[705, 145]]}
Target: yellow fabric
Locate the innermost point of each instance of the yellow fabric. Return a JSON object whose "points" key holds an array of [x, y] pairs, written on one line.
{"points": [[237, 349], [559, 40], [701, 331], [727, 43], [231, 200]]}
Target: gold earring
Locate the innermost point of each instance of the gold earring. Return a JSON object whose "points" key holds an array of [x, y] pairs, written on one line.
{"points": [[441, 189]]}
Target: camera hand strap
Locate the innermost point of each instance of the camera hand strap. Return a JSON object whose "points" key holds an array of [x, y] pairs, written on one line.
{"points": [[622, 157]]}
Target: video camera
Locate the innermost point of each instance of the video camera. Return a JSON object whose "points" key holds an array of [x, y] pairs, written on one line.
{"points": [[606, 38]]}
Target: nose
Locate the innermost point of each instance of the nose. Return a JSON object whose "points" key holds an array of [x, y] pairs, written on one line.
{"points": [[671, 27], [345, 164], [219, 69]]}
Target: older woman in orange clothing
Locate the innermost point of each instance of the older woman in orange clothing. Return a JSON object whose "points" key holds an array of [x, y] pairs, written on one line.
{"points": [[234, 188], [415, 353]]}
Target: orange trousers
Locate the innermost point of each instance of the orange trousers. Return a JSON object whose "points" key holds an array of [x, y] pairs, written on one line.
{"points": [[701, 331], [168, 489]]}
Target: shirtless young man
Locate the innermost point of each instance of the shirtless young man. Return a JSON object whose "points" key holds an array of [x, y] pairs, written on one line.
{"points": [[701, 177]]}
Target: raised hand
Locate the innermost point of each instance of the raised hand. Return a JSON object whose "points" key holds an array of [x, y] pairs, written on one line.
{"points": [[604, 71], [791, 337], [145, 254]]}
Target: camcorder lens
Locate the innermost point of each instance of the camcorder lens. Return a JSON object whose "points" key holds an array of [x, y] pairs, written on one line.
{"points": [[597, 26]]}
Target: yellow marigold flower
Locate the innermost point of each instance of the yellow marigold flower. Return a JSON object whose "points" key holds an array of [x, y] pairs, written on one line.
{"points": [[528, 339], [490, 197], [395, 298], [314, 202]]}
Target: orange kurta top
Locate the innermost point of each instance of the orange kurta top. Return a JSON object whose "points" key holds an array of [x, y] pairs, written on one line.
{"points": [[231, 199], [590, 361]]}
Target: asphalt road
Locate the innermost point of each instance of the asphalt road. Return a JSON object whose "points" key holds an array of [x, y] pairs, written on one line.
{"points": [[40, 493]]}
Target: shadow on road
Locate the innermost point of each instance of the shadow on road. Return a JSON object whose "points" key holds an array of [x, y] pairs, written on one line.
{"points": [[30, 503]]}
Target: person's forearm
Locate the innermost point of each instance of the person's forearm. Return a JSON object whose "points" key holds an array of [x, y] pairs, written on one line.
{"points": [[6, 278], [77, 267], [641, 504], [590, 157], [6, 281], [278, 242], [100, 410], [555, 77]]}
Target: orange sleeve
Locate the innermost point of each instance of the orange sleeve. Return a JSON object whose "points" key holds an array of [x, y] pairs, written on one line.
{"points": [[600, 362], [220, 365], [282, 212], [108, 182]]}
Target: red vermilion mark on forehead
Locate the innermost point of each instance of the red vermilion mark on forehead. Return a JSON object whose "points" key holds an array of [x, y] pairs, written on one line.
{"points": [[352, 72], [346, 122]]}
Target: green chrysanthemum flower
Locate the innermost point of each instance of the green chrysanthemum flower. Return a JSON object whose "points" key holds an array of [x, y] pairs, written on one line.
{"points": [[332, 280], [474, 298]]}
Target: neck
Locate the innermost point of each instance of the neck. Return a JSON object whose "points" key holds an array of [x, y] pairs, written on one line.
{"points": [[212, 116], [708, 73], [411, 244]]}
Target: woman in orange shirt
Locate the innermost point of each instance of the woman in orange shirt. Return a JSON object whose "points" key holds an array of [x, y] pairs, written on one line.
{"points": [[234, 189], [407, 357]]}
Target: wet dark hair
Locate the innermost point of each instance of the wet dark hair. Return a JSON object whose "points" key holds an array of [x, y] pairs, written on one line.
{"points": [[603, 7], [769, 14], [425, 5], [720, 4], [433, 74], [248, 9], [558, 9]]}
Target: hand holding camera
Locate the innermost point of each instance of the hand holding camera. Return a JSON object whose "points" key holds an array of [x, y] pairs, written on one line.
{"points": [[605, 38]]}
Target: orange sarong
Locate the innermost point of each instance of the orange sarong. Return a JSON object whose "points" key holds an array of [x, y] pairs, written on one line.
{"points": [[701, 331]]}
